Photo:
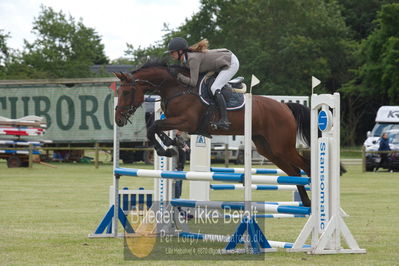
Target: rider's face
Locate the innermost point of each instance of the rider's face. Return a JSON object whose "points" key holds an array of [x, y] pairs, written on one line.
{"points": [[174, 55]]}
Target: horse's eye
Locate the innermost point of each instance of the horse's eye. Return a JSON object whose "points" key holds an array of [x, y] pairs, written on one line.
{"points": [[125, 93]]}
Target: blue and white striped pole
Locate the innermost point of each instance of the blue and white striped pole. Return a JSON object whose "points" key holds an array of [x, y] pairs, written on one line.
{"points": [[265, 216], [205, 176], [19, 152], [256, 171], [259, 207], [256, 187]]}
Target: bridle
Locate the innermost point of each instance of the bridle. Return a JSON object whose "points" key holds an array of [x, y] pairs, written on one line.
{"points": [[130, 109]]}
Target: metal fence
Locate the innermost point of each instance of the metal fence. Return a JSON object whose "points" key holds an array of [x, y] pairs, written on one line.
{"points": [[97, 148]]}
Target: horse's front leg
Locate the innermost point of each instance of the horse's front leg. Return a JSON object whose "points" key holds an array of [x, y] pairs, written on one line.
{"points": [[159, 126], [166, 139], [155, 129], [178, 141]]}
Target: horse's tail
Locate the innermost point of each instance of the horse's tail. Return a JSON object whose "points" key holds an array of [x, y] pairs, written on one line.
{"points": [[302, 117]]}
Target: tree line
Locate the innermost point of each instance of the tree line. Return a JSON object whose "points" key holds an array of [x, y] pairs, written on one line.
{"points": [[352, 46]]}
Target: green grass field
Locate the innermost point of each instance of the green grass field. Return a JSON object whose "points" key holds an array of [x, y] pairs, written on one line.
{"points": [[46, 215]]}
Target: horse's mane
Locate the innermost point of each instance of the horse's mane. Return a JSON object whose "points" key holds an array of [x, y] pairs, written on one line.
{"points": [[152, 62], [162, 62]]}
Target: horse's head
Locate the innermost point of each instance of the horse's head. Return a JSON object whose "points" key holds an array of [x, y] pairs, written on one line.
{"points": [[151, 76], [130, 97]]}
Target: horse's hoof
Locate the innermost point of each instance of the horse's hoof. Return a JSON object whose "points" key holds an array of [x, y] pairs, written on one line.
{"points": [[160, 153]]}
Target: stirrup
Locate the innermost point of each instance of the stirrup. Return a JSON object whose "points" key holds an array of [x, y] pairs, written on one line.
{"points": [[222, 124]]}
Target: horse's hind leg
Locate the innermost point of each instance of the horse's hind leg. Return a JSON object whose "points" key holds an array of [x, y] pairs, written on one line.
{"points": [[281, 161], [264, 149], [298, 160], [294, 158]]}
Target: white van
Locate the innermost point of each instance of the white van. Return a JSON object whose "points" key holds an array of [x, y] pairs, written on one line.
{"points": [[387, 119]]}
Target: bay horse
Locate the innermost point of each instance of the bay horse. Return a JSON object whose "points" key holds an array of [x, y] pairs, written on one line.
{"points": [[275, 125]]}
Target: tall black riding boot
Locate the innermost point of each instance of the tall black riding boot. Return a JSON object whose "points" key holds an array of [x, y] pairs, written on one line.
{"points": [[223, 123]]}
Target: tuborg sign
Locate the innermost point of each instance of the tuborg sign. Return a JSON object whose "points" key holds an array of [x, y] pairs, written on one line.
{"points": [[83, 113]]}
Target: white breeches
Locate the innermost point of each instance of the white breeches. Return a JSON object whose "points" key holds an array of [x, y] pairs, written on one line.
{"points": [[226, 75]]}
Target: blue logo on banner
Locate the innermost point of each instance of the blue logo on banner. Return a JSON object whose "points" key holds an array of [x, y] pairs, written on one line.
{"points": [[200, 139], [322, 120], [162, 117]]}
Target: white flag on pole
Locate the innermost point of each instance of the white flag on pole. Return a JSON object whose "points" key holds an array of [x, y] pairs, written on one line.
{"points": [[254, 81], [315, 82]]}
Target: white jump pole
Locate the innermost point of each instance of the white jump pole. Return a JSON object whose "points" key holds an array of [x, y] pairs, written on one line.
{"points": [[116, 179], [200, 161], [248, 145], [325, 225], [248, 152], [162, 187]]}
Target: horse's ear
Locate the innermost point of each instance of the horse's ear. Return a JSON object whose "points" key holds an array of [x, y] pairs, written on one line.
{"points": [[120, 75]]}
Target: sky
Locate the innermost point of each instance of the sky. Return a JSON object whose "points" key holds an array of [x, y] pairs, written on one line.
{"points": [[137, 22]]}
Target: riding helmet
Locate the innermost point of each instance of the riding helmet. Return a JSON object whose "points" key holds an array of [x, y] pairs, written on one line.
{"points": [[176, 44]]}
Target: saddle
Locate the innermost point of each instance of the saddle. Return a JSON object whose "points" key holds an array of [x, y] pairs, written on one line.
{"points": [[234, 99]]}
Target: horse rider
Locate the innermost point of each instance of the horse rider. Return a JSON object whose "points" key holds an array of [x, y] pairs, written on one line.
{"points": [[199, 59]]}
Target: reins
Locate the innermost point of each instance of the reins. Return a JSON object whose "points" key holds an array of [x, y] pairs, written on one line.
{"points": [[154, 87], [131, 108]]}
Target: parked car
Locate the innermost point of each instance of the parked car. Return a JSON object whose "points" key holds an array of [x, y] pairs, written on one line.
{"points": [[387, 118], [373, 159]]}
